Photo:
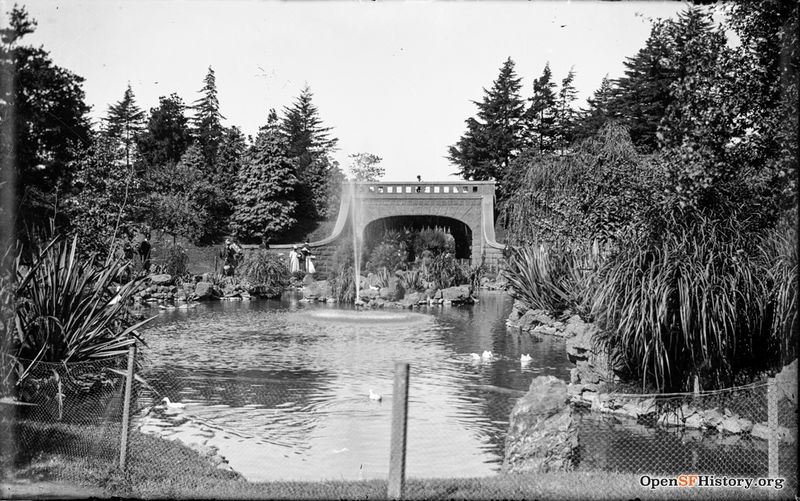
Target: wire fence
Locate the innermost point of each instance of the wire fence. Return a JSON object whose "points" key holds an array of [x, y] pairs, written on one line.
{"points": [[76, 411]]}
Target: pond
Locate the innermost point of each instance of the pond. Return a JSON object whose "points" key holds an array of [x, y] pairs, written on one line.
{"points": [[282, 387]]}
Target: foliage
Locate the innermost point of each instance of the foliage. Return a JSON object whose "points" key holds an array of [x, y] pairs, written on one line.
{"points": [[66, 309], [43, 115], [410, 280], [343, 285], [364, 167], [386, 254], [265, 189], [435, 240], [597, 192], [309, 145], [207, 121], [552, 277], [123, 123], [175, 260], [540, 116], [445, 271], [493, 138], [166, 135], [103, 207], [696, 299], [266, 272]]}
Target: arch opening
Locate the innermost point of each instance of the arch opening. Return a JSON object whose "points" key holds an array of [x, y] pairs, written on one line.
{"points": [[461, 232]]}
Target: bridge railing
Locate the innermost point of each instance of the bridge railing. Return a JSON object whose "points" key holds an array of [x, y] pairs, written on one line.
{"points": [[440, 189]]}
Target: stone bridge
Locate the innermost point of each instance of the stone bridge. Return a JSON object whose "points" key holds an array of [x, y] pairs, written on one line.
{"points": [[465, 208]]}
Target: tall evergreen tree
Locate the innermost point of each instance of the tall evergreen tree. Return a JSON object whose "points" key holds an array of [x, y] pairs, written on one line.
{"points": [[599, 112], [207, 120], [309, 144], [123, 124], [166, 136], [265, 204], [541, 114], [495, 137], [566, 115]]}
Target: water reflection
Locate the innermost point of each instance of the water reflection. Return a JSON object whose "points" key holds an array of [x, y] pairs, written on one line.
{"points": [[286, 384]]}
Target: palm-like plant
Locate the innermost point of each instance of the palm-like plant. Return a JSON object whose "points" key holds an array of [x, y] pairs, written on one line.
{"points": [[266, 273], [70, 309]]}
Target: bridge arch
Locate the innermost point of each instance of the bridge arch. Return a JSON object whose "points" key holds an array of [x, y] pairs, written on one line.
{"points": [[460, 230]]}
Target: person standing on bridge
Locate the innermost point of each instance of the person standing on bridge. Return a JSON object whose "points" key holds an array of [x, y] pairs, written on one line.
{"points": [[419, 180]]}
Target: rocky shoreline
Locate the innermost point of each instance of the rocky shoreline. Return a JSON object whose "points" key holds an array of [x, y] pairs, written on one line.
{"points": [[543, 425]]}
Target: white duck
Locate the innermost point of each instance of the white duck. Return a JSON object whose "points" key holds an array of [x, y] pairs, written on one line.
{"points": [[375, 396], [487, 355], [172, 405], [525, 359], [475, 356]]}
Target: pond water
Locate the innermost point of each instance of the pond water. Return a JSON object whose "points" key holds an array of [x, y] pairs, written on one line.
{"points": [[282, 387]]}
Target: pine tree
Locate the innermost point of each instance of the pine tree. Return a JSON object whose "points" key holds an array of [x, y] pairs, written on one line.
{"points": [[541, 113], [167, 136], [599, 112], [123, 124], [566, 115], [309, 144], [207, 121], [265, 204], [495, 137]]}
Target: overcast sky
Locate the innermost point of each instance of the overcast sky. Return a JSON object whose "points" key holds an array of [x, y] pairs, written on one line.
{"points": [[396, 79]]}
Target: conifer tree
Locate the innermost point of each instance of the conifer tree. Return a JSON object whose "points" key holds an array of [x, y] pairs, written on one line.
{"points": [[541, 113], [495, 137], [167, 136], [599, 112], [207, 121], [123, 124], [265, 204], [565, 114], [309, 144]]}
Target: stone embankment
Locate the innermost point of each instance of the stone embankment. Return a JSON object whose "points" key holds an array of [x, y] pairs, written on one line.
{"points": [[164, 289], [542, 436]]}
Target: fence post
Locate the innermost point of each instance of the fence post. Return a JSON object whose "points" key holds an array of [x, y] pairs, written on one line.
{"points": [[397, 454], [772, 421], [126, 408]]}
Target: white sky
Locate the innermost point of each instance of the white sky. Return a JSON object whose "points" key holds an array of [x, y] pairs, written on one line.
{"points": [[393, 78]]}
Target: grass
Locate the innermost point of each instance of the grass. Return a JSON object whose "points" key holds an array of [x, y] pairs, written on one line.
{"points": [[163, 469]]}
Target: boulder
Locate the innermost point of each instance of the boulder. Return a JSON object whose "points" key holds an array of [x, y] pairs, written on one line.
{"points": [[204, 290], [694, 421], [373, 280], [411, 299], [712, 418], [760, 430], [542, 431], [369, 293], [786, 381], [161, 279], [455, 294], [386, 293]]}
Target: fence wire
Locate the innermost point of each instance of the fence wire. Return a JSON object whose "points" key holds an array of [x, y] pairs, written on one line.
{"points": [[76, 411]]}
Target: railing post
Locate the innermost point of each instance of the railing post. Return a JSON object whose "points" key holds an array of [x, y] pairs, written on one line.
{"points": [[397, 458], [126, 408], [772, 421]]}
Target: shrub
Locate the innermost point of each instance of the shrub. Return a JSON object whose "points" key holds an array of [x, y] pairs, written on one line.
{"points": [[385, 255], [552, 277], [445, 271], [434, 240], [266, 273], [410, 280], [175, 261], [702, 298], [343, 286], [69, 309]]}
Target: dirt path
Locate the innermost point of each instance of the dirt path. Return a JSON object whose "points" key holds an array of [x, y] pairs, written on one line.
{"points": [[27, 489]]}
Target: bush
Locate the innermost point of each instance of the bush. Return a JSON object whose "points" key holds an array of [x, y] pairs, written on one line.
{"points": [[175, 261], [410, 280], [445, 271], [434, 240], [552, 277], [700, 298], [266, 273], [343, 286], [70, 309], [385, 255]]}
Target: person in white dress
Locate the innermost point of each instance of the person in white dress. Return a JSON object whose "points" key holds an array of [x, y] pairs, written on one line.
{"points": [[294, 260]]}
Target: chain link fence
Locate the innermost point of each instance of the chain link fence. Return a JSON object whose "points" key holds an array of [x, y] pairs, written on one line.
{"points": [[77, 411]]}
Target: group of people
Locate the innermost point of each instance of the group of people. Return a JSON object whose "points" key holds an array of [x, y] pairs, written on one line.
{"points": [[296, 257], [231, 254]]}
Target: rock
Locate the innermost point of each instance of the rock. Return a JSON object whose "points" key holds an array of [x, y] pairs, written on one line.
{"points": [[694, 421], [373, 280], [385, 293], [161, 279], [458, 293], [369, 293], [760, 430], [542, 432], [712, 418], [410, 300], [317, 290], [545, 329], [308, 279], [574, 376], [730, 424], [580, 344], [204, 290], [670, 419], [786, 381]]}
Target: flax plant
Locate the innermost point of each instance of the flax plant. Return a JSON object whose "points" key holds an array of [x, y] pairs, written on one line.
{"points": [[698, 300], [267, 273], [70, 309]]}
